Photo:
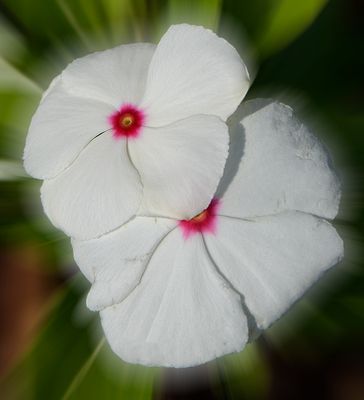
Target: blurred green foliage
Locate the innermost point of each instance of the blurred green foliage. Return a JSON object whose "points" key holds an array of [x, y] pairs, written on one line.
{"points": [[309, 56]]}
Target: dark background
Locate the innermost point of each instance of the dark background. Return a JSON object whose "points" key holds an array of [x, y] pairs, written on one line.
{"points": [[307, 54]]}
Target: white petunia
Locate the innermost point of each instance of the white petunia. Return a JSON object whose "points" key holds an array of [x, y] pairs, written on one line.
{"points": [[180, 292], [138, 128]]}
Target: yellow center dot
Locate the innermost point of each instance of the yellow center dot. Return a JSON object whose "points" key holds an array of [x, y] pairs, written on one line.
{"points": [[200, 217], [126, 120]]}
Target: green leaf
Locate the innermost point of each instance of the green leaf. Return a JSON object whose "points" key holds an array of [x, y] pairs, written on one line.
{"points": [[270, 25], [71, 360], [285, 22], [13, 79], [195, 12], [244, 374]]}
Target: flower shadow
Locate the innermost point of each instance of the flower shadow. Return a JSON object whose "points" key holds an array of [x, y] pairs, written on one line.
{"points": [[237, 141]]}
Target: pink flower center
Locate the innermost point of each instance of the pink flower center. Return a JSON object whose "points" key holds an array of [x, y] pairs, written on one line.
{"points": [[127, 122], [206, 221]]}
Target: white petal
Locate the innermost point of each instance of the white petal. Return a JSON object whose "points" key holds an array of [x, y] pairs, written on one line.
{"points": [[115, 262], [180, 165], [193, 71], [273, 260], [61, 127], [282, 167], [100, 191], [114, 76], [181, 314]]}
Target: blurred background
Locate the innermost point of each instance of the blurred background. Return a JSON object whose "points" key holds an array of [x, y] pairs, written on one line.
{"points": [[308, 54]]}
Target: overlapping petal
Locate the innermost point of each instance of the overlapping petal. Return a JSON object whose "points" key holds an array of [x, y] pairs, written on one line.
{"points": [[99, 192], [181, 314], [275, 165], [273, 260], [115, 263], [193, 71], [180, 165], [61, 127]]}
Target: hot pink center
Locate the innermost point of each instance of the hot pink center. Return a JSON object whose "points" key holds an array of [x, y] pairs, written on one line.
{"points": [[127, 122], [206, 221]]}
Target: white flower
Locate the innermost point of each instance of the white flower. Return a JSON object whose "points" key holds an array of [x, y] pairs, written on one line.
{"points": [[179, 293], [138, 128]]}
